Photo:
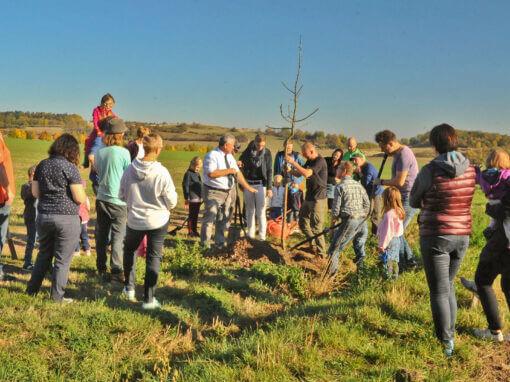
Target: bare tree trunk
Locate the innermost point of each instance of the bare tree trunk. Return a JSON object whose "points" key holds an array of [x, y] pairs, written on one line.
{"points": [[291, 118]]}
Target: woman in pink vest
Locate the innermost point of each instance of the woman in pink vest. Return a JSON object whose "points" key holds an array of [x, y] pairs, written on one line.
{"points": [[444, 190]]}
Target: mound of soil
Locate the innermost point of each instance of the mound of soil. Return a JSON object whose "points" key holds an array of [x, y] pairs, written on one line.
{"points": [[246, 251], [495, 364]]}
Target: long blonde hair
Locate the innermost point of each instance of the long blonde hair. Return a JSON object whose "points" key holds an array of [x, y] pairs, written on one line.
{"points": [[498, 158], [392, 200]]}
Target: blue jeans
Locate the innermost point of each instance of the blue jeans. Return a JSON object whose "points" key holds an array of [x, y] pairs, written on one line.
{"points": [[84, 238], [390, 257], [406, 253], [442, 256], [349, 229], [5, 211], [31, 239]]}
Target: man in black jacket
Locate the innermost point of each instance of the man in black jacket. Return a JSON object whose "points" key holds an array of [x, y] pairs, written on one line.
{"points": [[257, 168]]}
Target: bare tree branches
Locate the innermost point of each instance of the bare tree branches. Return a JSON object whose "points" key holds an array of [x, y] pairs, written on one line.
{"points": [[291, 117], [291, 114]]}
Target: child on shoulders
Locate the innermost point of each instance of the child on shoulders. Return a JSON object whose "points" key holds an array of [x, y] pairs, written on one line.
{"points": [[102, 111]]}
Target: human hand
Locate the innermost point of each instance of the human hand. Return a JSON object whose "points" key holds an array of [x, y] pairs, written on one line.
{"points": [[269, 193], [186, 204], [239, 164], [252, 190], [380, 249], [289, 159]]}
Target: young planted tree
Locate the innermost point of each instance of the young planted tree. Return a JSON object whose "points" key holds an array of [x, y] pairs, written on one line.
{"points": [[290, 116]]}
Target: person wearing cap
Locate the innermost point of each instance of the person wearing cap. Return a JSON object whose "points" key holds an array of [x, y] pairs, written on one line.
{"points": [[367, 173], [352, 148], [219, 193], [110, 163]]}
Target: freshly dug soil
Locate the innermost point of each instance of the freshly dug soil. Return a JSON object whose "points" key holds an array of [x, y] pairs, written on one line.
{"points": [[245, 252]]}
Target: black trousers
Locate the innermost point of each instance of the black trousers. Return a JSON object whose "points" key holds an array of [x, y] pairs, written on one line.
{"points": [[194, 210], [494, 261], [155, 240]]}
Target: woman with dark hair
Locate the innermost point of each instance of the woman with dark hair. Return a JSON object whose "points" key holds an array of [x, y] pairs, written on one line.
{"points": [[444, 190], [58, 187], [333, 162]]}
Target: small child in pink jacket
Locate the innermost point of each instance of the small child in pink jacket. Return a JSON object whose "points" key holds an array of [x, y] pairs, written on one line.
{"points": [[84, 213], [390, 231]]}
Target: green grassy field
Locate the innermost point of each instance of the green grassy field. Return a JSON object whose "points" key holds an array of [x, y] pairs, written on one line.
{"points": [[222, 322]]}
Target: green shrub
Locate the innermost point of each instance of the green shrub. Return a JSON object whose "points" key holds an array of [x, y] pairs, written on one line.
{"points": [[187, 260], [291, 278]]}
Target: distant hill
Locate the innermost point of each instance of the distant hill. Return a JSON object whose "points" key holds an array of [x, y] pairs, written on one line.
{"points": [[23, 119]]}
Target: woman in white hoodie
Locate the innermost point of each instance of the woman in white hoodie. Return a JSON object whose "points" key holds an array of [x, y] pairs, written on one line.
{"points": [[149, 192]]}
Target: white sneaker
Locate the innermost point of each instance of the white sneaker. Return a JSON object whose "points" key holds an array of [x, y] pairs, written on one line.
{"points": [[486, 334], [151, 305], [77, 253], [66, 300], [129, 294]]}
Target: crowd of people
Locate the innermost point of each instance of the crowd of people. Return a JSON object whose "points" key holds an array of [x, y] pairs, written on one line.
{"points": [[135, 194]]}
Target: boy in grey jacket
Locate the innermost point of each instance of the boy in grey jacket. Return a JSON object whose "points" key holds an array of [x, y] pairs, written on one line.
{"points": [[351, 206], [149, 192]]}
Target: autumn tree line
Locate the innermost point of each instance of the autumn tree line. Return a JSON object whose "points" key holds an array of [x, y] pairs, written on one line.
{"points": [[475, 143]]}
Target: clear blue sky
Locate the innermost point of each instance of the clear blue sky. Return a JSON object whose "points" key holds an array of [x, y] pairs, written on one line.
{"points": [[368, 65]]}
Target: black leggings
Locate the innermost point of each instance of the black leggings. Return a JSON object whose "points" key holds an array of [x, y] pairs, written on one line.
{"points": [[494, 260], [194, 210]]}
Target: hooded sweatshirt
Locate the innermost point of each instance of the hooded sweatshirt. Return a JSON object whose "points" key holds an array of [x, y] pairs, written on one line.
{"points": [[444, 191], [495, 183], [149, 192]]}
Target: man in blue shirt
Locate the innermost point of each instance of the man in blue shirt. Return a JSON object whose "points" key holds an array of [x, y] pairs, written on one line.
{"points": [[367, 173]]}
